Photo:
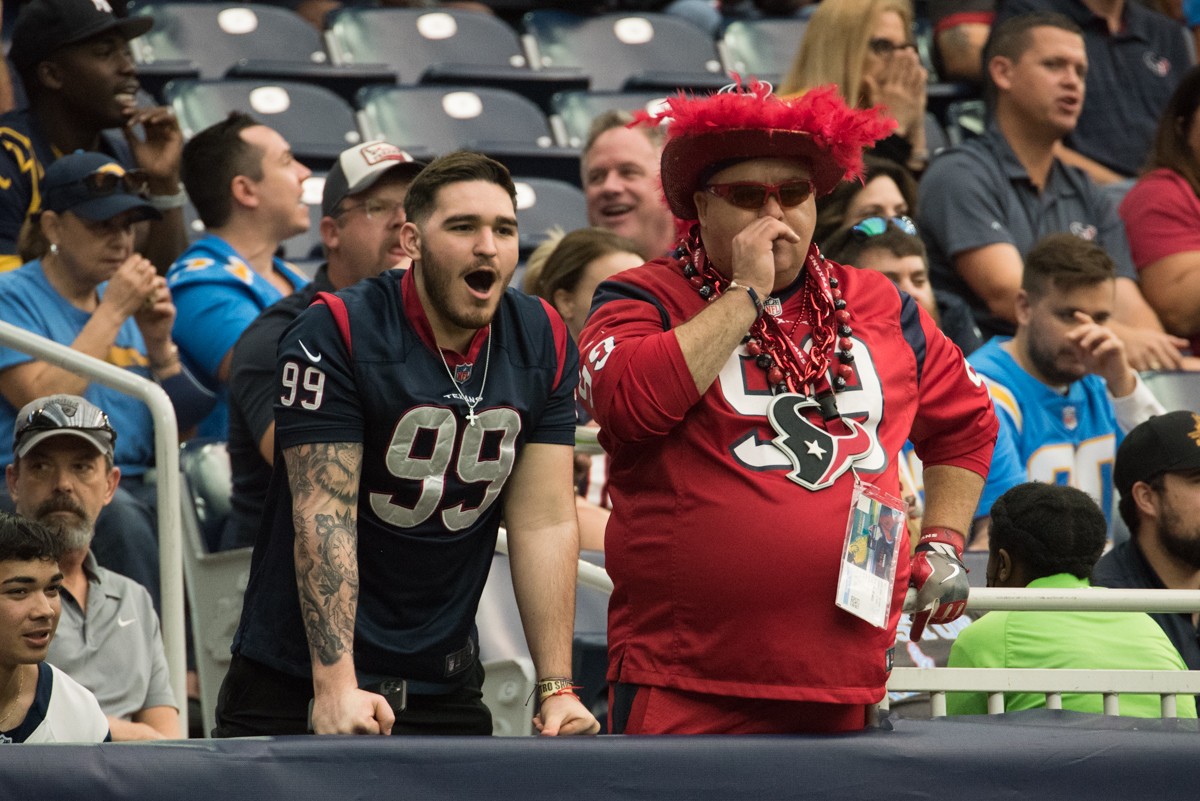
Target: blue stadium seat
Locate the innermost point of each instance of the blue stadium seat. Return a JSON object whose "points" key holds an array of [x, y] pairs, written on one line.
{"points": [[316, 122], [543, 204], [648, 51], [573, 112], [218, 40], [429, 121], [763, 48], [444, 46]]}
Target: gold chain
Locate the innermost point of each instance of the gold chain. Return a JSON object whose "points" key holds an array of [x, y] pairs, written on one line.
{"points": [[12, 707]]}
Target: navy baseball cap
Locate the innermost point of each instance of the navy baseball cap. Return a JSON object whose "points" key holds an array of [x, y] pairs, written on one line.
{"points": [[95, 187], [44, 26], [1166, 443], [62, 415]]}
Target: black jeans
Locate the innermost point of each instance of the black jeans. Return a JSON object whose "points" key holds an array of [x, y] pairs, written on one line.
{"points": [[256, 700]]}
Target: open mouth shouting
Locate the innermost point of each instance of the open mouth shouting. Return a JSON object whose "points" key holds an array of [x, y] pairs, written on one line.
{"points": [[481, 280]]}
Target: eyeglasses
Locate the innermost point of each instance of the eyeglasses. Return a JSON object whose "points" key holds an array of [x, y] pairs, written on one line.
{"points": [[375, 208], [886, 48], [104, 182], [753, 196], [56, 415], [874, 226]]}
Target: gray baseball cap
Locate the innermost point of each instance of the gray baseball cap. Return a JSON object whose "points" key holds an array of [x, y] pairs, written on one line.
{"points": [[62, 415]]}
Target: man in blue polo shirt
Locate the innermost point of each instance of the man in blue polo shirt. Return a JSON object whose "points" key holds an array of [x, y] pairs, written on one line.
{"points": [[985, 203]]}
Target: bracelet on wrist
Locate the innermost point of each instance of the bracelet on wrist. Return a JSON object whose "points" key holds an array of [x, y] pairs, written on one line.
{"points": [[556, 685], [168, 202], [758, 304]]}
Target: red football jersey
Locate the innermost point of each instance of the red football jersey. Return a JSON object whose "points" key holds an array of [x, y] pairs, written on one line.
{"points": [[725, 568]]}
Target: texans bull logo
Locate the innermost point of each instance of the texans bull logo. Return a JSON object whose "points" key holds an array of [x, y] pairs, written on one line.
{"points": [[817, 456]]}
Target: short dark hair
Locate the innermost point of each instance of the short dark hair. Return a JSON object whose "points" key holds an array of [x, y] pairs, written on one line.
{"points": [[212, 159], [605, 121], [831, 208], [847, 247], [1011, 38], [564, 261], [453, 168], [1049, 528], [23, 540], [1064, 261]]}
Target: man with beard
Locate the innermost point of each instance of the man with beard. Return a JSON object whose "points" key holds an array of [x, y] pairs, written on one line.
{"points": [[405, 405], [108, 639], [1063, 387], [362, 212], [74, 60], [1158, 476]]}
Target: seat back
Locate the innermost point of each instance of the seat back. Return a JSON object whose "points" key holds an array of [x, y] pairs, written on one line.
{"points": [[431, 120], [216, 582], [574, 111], [543, 204], [614, 48], [317, 123], [216, 36], [410, 40], [763, 48], [1177, 391]]}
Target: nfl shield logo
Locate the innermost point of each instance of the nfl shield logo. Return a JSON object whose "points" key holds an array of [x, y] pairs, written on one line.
{"points": [[773, 307], [1070, 419], [462, 372]]}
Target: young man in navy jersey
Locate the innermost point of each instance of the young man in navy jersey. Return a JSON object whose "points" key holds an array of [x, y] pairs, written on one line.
{"points": [[415, 409]]}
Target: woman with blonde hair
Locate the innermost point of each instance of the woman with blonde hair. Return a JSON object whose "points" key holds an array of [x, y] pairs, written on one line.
{"points": [[865, 48]]}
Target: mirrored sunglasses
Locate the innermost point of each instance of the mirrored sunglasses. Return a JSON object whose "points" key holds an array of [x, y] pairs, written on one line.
{"points": [[874, 226]]}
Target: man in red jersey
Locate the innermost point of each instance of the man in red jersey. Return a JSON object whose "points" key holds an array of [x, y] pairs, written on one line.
{"points": [[753, 398]]}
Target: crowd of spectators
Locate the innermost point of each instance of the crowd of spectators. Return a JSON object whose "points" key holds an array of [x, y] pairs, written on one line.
{"points": [[1057, 250]]}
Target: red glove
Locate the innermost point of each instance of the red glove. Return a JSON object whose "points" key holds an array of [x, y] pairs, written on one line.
{"points": [[939, 577]]}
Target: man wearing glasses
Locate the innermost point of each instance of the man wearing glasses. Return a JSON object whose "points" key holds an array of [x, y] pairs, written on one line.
{"points": [[753, 398], [363, 210]]}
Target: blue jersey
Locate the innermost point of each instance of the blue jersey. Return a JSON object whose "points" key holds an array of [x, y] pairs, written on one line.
{"points": [[361, 367], [217, 295], [1045, 435], [29, 301]]}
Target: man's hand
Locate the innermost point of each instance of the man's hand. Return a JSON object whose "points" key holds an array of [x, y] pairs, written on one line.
{"points": [[129, 287], [940, 579], [1103, 354], [1148, 349], [753, 253], [564, 714], [161, 151], [156, 316], [352, 711]]}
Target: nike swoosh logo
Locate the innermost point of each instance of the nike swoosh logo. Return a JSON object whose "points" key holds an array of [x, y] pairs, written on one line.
{"points": [[956, 570], [123, 623], [314, 358]]}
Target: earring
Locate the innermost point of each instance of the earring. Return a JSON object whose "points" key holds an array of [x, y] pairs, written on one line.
{"points": [[54, 248]]}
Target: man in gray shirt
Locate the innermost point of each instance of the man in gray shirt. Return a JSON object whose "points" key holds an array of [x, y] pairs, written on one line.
{"points": [[985, 203], [108, 639]]}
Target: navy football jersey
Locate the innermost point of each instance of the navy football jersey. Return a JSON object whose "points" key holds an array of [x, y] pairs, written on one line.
{"points": [[361, 366]]}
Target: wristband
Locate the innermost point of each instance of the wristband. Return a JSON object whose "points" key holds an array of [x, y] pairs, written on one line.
{"points": [[168, 202], [944, 535], [558, 685], [758, 306]]}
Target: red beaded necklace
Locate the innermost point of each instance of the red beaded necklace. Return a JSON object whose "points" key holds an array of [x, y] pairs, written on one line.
{"points": [[788, 368]]}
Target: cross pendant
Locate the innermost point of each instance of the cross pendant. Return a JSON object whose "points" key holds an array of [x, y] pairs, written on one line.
{"points": [[471, 417]]}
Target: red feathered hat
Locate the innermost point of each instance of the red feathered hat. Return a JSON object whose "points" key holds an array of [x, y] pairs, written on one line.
{"points": [[748, 122]]}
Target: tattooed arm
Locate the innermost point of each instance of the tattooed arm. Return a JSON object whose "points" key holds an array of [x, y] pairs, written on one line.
{"points": [[324, 481]]}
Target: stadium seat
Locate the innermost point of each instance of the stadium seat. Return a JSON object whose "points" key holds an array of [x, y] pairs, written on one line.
{"points": [[964, 120], [1177, 391], [648, 51], [219, 40], [763, 48], [429, 121], [316, 122], [542, 204], [444, 46], [935, 135], [215, 582], [573, 112], [509, 673]]}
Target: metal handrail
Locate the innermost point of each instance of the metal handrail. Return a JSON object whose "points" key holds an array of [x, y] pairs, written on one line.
{"points": [[166, 455]]}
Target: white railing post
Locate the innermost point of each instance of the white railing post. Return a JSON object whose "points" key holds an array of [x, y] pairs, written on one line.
{"points": [[166, 453]]}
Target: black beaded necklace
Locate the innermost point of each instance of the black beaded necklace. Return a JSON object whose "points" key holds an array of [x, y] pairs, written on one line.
{"points": [[822, 307]]}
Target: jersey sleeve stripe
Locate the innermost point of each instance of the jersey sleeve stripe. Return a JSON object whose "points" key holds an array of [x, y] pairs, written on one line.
{"points": [[619, 290], [340, 316], [1003, 397], [914, 334], [559, 329]]}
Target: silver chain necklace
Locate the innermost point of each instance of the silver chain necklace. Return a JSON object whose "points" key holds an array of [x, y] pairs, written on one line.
{"points": [[471, 404]]}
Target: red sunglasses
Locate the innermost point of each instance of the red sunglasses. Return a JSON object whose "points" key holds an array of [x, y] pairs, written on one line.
{"points": [[753, 196]]}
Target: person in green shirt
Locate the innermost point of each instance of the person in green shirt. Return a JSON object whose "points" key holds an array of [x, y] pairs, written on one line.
{"points": [[1045, 535]]}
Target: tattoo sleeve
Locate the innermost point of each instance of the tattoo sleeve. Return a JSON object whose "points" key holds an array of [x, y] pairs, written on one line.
{"points": [[324, 481]]}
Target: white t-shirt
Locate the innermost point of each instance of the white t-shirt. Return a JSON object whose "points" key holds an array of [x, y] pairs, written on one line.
{"points": [[63, 711]]}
